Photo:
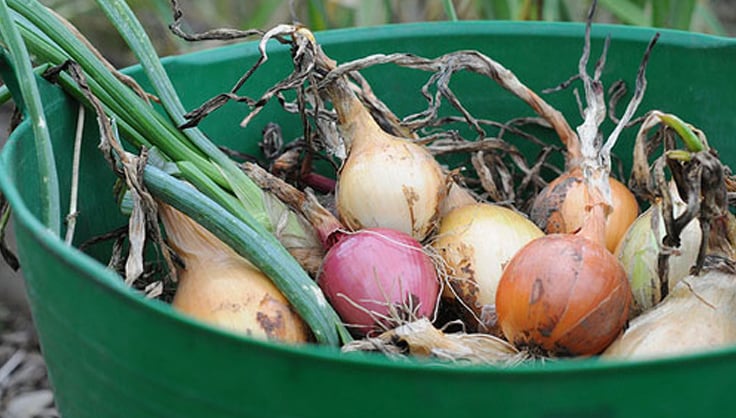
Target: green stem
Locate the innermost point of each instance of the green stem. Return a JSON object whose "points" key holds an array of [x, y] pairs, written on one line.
{"points": [[168, 137], [31, 98], [123, 18], [450, 10], [691, 140]]}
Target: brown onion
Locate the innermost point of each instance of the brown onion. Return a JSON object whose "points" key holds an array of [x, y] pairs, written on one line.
{"points": [[573, 304], [560, 207], [563, 295]]}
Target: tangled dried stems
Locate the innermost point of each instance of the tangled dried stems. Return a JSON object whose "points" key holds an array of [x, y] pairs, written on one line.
{"points": [[702, 181]]}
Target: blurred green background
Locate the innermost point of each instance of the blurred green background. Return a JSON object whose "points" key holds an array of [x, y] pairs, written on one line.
{"points": [[708, 16]]}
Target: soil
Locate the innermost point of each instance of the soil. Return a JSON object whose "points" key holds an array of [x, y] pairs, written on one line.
{"points": [[24, 386]]}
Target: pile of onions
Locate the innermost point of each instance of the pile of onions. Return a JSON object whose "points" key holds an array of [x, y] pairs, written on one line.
{"points": [[475, 242], [375, 278], [221, 288]]}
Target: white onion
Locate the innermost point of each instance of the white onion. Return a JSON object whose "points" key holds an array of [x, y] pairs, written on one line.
{"points": [[639, 252], [698, 315]]}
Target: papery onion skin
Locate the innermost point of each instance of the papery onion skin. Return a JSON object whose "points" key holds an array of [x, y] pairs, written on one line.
{"points": [[219, 287], [237, 297], [639, 251], [476, 241], [563, 295], [376, 274], [386, 181], [391, 185], [560, 207], [698, 315]]}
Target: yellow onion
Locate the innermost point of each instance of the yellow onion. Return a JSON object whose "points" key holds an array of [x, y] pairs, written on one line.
{"points": [[560, 207], [475, 242], [699, 314], [221, 288], [639, 251], [386, 181]]}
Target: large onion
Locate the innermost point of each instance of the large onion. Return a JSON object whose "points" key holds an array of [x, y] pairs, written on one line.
{"points": [[476, 241], [563, 294], [379, 278], [698, 315]]}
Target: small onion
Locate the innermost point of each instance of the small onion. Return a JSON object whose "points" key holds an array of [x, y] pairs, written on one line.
{"points": [[563, 294], [378, 278], [560, 207], [639, 252], [476, 241]]}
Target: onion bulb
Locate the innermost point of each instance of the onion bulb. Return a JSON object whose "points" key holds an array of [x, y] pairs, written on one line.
{"points": [[475, 242], [562, 295], [639, 251], [221, 288], [560, 207], [378, 278], [699, 314], [386, 181]]}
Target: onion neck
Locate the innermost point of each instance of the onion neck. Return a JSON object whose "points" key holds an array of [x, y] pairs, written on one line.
{"points": [[597, 207], [358, 127], [326, 225], [194, 244], [457, 196]]}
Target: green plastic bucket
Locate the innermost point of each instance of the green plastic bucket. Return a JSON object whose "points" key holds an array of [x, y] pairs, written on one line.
{"points": [[111, 353]]}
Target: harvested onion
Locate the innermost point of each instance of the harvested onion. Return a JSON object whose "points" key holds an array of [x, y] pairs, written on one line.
{"points": [[567, 294], [559, 208], [378, 278], [563, 294], [476, 241], [698, 315], [386, 181], [639, 252], [219, 287]]}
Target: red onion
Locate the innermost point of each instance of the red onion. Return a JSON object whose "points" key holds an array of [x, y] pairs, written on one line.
{"points": [[378, 278]]}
